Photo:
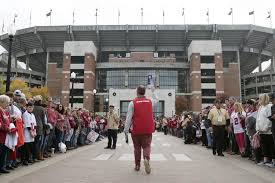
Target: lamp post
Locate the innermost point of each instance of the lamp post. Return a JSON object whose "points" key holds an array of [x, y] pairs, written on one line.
{"points": [[106, 101], [73, 76], [8, 79], [94, 92]]}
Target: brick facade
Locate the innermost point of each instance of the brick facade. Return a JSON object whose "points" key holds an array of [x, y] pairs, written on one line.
{"points": [[65, 80], [54, 80], [231, 78], [195, 77], [89, 81], [219, 76]]}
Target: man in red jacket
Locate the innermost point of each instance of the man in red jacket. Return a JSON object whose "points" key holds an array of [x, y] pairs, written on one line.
{"points": [[140, 117]]}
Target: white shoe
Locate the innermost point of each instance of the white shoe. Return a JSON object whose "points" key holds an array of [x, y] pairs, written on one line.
{"points": [[147, 166], [271, 165]]}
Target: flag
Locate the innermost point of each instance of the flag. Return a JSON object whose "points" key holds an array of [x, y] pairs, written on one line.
{"points": [[182, 12], [251, 13], [96, 12], [163, 13], [50, 13], [207, 13], [231, 11], [269, 15]]}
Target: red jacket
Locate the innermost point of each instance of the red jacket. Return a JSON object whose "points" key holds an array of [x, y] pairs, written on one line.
{"points": [[52, 116], [85, 119], [143, 120], [4, 125]]}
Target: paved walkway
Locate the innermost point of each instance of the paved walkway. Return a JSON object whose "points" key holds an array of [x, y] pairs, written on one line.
{"points": [[172, 161]]}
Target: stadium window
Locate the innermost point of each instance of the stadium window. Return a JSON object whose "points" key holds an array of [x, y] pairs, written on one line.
{"points": [[207, 59], [77, 60], [207, 72], [208, 92], [208, 100], [76, 100], [208, 80]]}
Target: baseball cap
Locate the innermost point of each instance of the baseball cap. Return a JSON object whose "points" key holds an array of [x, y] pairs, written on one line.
{"points": [[17, 93]]}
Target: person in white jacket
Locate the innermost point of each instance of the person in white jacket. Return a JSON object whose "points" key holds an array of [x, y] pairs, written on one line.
{"points": [[263, 127]]}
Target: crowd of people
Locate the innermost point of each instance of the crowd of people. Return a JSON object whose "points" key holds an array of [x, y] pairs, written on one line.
{"points": [[32, 130], [246, 129]]}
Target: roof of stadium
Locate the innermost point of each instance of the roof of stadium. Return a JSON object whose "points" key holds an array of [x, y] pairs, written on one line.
{"points": [[252, 41]]}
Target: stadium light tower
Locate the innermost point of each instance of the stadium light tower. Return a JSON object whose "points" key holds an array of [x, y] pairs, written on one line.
{"points": [[11, 33]]}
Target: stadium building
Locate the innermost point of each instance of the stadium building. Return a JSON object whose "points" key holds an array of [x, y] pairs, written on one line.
{"points": [[195, 62]]}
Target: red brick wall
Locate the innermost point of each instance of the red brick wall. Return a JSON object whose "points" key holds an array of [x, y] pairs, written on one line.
{"points": [[65, 79], [89, 81], [54, 80], [231, 80], [195, 66]]}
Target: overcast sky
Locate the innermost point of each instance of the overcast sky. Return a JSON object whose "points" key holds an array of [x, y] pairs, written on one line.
{"points": [[130, 12]]}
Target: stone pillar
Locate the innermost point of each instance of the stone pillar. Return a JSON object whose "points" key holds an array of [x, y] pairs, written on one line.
{"points": [[65, 79], [219, 75], [89, 81], [195, 78]]}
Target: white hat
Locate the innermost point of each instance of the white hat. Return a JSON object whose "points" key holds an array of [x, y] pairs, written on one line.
{"points": [[37, 98], [17, 93]]}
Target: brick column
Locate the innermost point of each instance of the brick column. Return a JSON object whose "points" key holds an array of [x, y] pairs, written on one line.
{"points": [[219, 76], [195, 80], [54, 80], [89, 81], [65, 79]]}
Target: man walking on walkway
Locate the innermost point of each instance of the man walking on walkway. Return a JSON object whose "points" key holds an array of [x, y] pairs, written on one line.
{"points": [[140, 117], [112, 125], [218, 118]]}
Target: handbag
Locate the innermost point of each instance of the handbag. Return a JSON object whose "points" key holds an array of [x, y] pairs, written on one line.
{"points": [[255, 143], [33, 132]]}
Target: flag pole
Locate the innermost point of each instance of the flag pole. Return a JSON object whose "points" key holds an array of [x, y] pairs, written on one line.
{"points": [[30, 18], [254, 17], [96, 16], [208, 15], [183, 14], [141, 16], [163, 18], [118, 16], [73, 17], [232, 15], [3, 26]]}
